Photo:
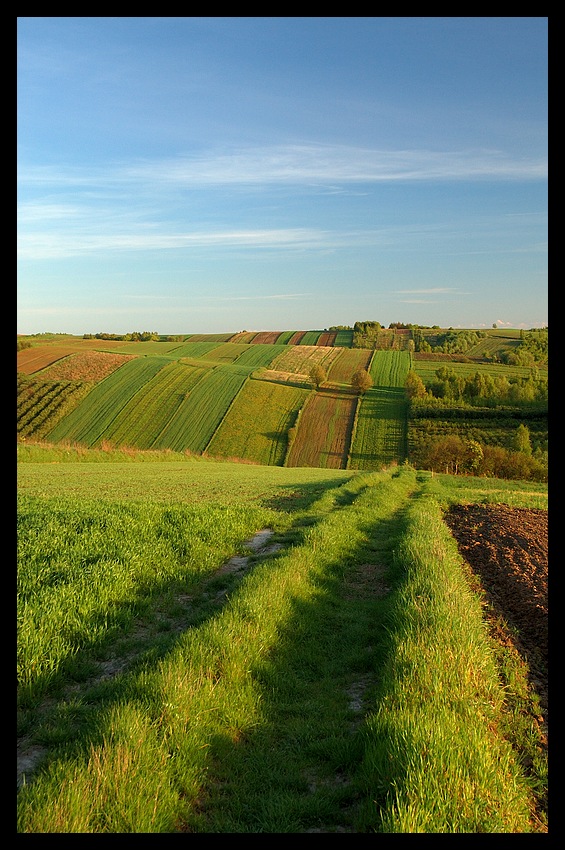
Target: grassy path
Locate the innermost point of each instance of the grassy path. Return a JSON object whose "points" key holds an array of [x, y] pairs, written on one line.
{"points": [[344, 684]]}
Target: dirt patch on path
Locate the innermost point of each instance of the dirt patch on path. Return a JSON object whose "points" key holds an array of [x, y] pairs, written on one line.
{"points": [[508, 549]]}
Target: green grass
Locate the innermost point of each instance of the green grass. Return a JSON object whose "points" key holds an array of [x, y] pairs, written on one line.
{"points": [[88, 422], [203, 408], [380, 434], [347, 682], [256, 426]]}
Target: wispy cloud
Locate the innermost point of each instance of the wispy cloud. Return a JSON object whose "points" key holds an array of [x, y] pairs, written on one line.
{"points": [[50, 245], [436, 290], [324, 166], [327, 164]]}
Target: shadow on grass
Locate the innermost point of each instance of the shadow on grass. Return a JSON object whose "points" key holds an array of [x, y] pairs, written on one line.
{"points": [[297, 771]]}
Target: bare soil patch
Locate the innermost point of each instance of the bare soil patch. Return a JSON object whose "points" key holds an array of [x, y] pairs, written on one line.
{"points": [[507, 548]]}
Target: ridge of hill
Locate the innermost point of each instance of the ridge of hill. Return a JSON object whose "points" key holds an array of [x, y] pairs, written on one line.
{"points": [[245, 396]]}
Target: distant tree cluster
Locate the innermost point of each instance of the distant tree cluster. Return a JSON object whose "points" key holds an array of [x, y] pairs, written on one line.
{"points": [[533, 348], [480, 388], [450, 342], [135, 336], [455, 455]]}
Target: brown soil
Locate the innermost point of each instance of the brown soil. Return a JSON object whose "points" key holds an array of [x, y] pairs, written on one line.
{"points": [[507, 548]]}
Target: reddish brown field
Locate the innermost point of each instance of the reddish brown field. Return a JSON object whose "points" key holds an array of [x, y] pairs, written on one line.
{"points": [[324, 432], [507, 549], [31, 360], [348, 361], [86, 366], [295, 339], [327, 338], [266, 337]]}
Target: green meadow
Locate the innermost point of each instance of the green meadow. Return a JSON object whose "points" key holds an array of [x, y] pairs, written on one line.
{"points": [[343, 681], [240, 607]]}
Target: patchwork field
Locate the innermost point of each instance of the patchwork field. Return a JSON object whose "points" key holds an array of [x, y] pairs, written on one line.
{"points": [[256, 426], [195, 394], [324, 431]]}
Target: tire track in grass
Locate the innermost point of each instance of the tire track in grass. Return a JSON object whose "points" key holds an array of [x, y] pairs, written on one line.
{"points": [[298, 772]]}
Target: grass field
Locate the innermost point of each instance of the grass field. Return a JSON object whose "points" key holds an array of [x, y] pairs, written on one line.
{"points": [[380, 433], [258, 437], [344, 682]]}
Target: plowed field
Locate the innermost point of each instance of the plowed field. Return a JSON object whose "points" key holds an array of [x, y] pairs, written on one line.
{"points": [[508, 549]]}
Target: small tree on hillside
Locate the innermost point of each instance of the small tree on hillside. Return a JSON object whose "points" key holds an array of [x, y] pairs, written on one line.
{"points": [[318, 375], [415, 387], [361, 381], [521, 441]]}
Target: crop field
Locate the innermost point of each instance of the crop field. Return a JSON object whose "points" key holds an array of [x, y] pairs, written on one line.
{"points": [[88, 422], [142, 420], [390, 368], [492, 430], [266, 337], [285, 337], [257, 356], [85, 366], [310, 338], [41, 404], [489, 346], [193, 349], [244, 337], [32, 360], [164, 405], [175, 678], [344, 338], [323, 432], [300, 359], [380, 434], [209, 337], [327, 338], [201, 411], [227, 352], [427, 369], [349, 361], [257, 424]]}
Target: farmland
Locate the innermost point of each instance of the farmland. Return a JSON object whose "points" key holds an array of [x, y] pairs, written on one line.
{"points": [[292, 694], [177, 393], [242, 608]]}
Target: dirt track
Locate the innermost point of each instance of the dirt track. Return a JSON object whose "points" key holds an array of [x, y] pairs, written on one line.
{"points": [[508, 549]]}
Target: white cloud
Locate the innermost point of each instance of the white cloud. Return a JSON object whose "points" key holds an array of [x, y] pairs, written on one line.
{"points": [[326, 166]]}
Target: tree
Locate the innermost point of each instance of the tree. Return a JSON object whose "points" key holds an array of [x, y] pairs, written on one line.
{"points": [[361, 381], [521, 441], [415, 387], [318, 375]]}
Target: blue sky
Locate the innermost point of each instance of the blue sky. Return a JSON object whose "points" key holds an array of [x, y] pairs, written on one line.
{"points": [[206, 175]]}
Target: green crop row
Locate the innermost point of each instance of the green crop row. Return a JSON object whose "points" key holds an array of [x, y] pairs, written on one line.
{"points": [[88, 422], [140, 422], [199, 414], [256, 426], [390, 368], [259, 355]]}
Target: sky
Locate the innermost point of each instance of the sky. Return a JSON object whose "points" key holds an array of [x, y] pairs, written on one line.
{"points": [[219, 174]]}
